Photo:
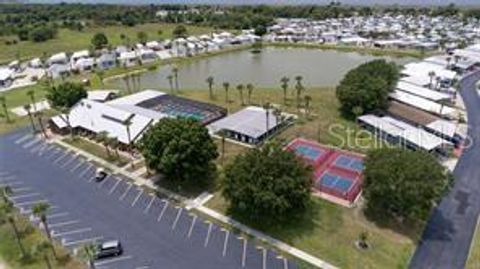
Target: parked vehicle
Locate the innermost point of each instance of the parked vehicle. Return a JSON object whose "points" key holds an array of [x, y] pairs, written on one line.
{"points": [[109, 249]]}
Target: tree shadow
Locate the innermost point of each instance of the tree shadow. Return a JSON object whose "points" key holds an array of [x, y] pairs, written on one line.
{"points": [[186, 188], [286, 228]]}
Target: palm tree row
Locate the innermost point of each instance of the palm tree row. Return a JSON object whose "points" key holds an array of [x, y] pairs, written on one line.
{"points": [[7, 212], [108, 142], [132, 82]]}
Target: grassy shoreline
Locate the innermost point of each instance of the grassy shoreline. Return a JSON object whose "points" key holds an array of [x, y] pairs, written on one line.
{"points": [[363, 50]]}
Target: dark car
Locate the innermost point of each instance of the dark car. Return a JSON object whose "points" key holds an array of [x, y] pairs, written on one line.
{"points": [[100, 175], [109, 249]]}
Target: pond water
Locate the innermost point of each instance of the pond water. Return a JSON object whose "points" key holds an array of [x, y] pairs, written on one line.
{"points": [[264, 69]]}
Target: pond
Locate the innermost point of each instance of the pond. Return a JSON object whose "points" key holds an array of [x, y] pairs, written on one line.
{"points": [[264, 69]]}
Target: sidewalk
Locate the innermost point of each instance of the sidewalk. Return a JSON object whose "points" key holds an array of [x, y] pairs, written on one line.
{"points": [[198, 205]]}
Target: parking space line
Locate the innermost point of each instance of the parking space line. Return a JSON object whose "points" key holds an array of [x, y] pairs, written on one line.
{"points": [[53, 152], [61, 157], [149, 205], [21, 189], [10, 184], [82, 241], [24, 195], [31, 202], [39, 148], [244, 254], [163, 211], [138, 197], [114, 186], [23, 138], [264, 256], [71, 232], [126, 191], [194, 219], [73, 158], [31, 143], [65, 223], [84, 172], [210, 225], [180, 209], [80, 163], [44, 150], [109, 261], [284, 260], [225, 243], [104, 180], [57, 215]]}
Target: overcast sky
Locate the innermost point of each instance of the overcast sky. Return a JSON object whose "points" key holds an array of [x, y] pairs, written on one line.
{"points": [[290, 2]]}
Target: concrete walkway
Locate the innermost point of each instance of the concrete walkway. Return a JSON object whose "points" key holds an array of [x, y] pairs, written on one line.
{"points": [[198, 205]]}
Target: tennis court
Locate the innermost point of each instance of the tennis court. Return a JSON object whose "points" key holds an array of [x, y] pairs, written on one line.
{"points": [[349, 163], [308, 152], [336, 182], [337, 173]]}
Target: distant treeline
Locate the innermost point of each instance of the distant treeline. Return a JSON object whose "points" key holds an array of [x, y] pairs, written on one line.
{"points": [[39, 22]]}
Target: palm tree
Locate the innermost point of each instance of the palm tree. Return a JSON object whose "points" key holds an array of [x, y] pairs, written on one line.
{"points": [[240, 91], [308, 99], [431, 74], [284, 86], [42, 250], [278, 116], [7, 211], [175, 75], [134, 84], [128, 122], [39, 116], [40, 211], [3, 102], [170, 82], [88, 252], [31, 94], [65, 111], [27, 108], [102, 137], [138, 76], [209, 81], [249, 92], [113, 142], [267, 106], [456, 59], [222, 133], [448, 59], [5, 192], [226, 86], [100, 74], [126, 80], [299, 89], [437, 82]]}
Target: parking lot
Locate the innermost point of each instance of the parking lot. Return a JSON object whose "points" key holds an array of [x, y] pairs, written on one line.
{"points": [[155, 232]]}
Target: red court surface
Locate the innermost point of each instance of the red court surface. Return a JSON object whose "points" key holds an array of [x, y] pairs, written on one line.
{"points": [[337, 173]]}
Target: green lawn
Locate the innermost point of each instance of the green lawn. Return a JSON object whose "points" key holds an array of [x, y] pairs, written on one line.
{"points": [[474, 259], [329, 231], [10, 253], [70, 41], [97, 150]]}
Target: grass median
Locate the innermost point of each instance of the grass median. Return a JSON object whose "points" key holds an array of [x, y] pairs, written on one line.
{"points": [[30, 236]]}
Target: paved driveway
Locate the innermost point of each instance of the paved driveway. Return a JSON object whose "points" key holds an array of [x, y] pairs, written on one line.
{"points": [[155, 233], [446, 240]]}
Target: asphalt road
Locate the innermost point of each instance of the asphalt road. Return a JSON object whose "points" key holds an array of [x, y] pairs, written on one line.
{"points": [[446, 240], [154, 232]]}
